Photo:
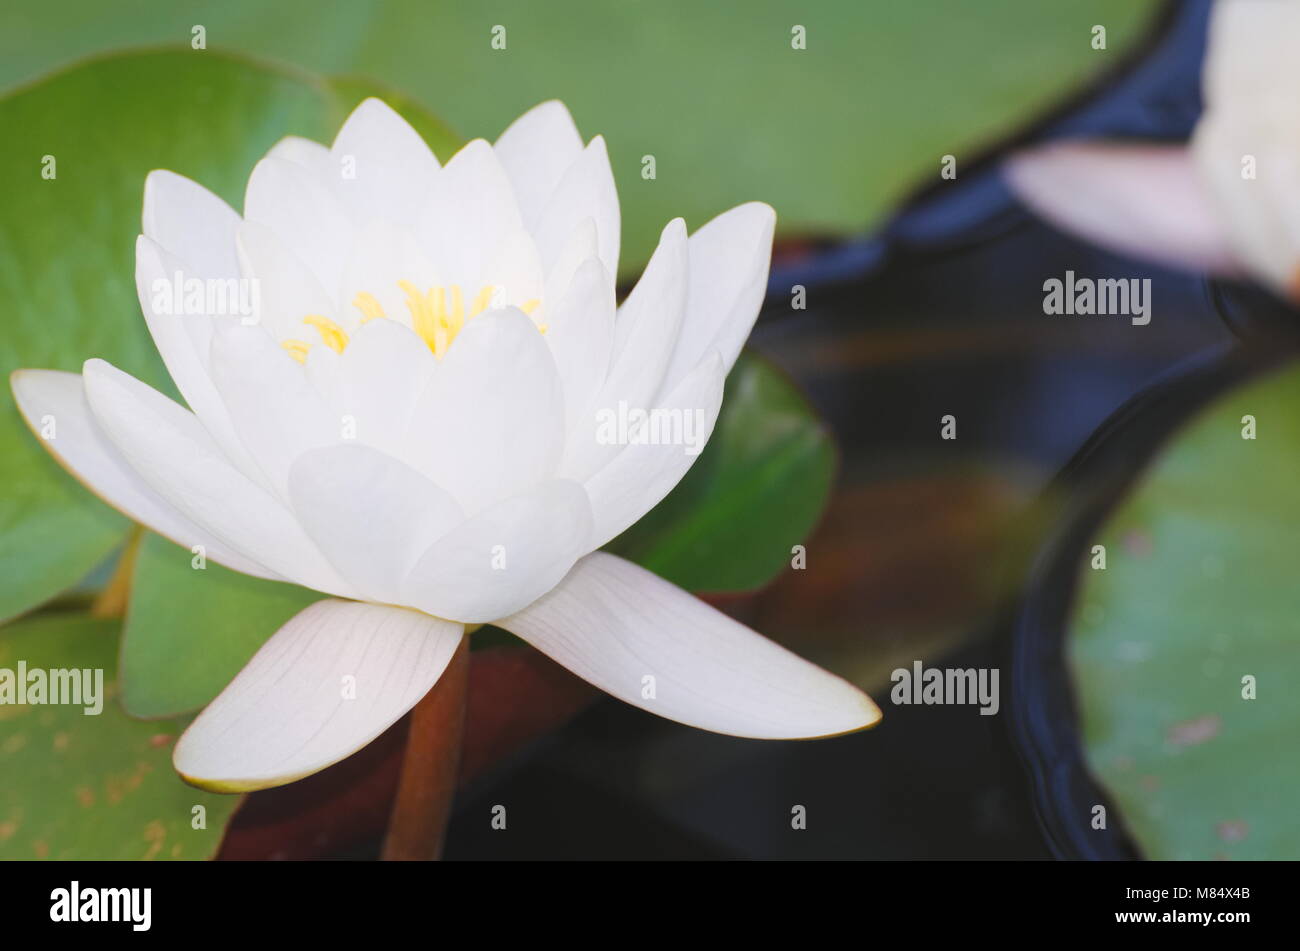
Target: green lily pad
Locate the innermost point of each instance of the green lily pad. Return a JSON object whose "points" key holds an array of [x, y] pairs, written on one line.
{"points": [[831, 135], [188, 631], [68, 273], [1199, 593], [755, 493], [92, 787]]}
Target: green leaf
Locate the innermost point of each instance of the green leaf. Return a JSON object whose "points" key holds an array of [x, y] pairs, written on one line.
{"points": [[832, 135], [67, 273], [755, 492], [92, 787], [189, 631], [1199, 592]]}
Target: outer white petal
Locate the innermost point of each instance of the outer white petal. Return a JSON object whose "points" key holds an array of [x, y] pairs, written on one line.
{"points": [[586, 190], [184, 341], [277, 413], [83, 450], [505, 557], [192, 223], [536, 150], [642, 474], [172, 452], [392, 169], [371, 515], [645, 332], [1147, 201], [288, 713], [727, 273], [614, 624], [490, 422]]}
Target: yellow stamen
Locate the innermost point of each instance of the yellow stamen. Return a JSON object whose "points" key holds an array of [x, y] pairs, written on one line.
{"points": [[297, 349], [438, 315], [369, 306], [481, 302], [331, 334]]}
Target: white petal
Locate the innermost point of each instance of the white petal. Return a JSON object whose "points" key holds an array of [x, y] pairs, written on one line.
{"points": [[277, 413], [392, 167], [288, 289], [327, 683], [580, 333], [371, 515], [383, 370], [505, 557], [491, 421], [536, 150], [1250, 55], [1147, 201], [170, 450], [184, 341], [191, 223], [1259, 213], [86, 452], [303, 213], [641, 474], [586, 190], [727, 273], [614, 624], [310, 155], [645, 332], [471, 214]]}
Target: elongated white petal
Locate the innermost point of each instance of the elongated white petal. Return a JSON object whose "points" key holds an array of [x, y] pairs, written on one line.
{"points": [[327, 683], [504, 557], [184, 341], [615, 625], [727, 280], [674, 434], [391, 169], [645, 331], [192, 223], [490, 423], [1147, 201], [536, 150], [59, 399], [371, 515], [580, 334], [586, 190], [172, 452]]}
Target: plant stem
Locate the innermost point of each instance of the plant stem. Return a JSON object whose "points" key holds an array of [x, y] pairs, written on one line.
{"points": [[429, 770]]}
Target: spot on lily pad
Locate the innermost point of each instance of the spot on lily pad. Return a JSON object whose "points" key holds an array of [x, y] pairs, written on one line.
{"points": [[1233, 831], [1138, 543], [1194, 732]]}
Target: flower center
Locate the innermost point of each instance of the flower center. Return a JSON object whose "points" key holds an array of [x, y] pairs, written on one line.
{"points": [[437, 315]]}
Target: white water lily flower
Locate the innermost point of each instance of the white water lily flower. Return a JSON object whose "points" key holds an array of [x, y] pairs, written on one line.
{"points": [[409, 423], [1227, 203]]}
